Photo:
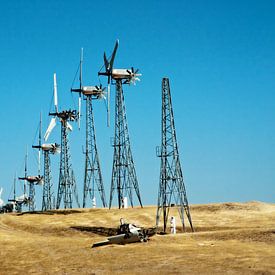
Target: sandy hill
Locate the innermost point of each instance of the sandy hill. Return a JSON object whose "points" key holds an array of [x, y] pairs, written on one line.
{"points": [[232, 238]]}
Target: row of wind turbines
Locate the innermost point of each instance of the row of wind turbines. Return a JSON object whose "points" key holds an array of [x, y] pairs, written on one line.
{"points": [[124, 179]]}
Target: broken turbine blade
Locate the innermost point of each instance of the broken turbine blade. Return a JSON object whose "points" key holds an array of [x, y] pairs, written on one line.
{"points": [[50, 128]]}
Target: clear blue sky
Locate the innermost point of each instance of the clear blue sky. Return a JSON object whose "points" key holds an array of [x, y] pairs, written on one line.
{"points": [[219, 56]]}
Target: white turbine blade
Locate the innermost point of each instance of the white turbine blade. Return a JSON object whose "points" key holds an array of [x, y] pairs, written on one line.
{"points": [[50, 128], [69, 126], [102, 96], [55, 92], [57, 150], [79, 110], [40, 181], [108, 105]]}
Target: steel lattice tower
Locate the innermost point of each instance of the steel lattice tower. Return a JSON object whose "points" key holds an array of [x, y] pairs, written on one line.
{"points": [[47, 203], [171, 186], [67, 184], [93, 176], [47, 197], [32, 205], [124, 178]]}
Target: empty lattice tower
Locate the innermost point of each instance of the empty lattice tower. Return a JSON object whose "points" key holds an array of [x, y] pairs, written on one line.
{"points": [[172, 193]]}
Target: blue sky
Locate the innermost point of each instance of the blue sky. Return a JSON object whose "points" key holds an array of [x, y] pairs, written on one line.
{"points": [[218, 55]]}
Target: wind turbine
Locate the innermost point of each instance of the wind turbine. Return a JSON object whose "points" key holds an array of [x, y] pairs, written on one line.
{"points": [[17, 202], [124, 177], [47, 149], [32, 181], [93, 176], [66, 184]]}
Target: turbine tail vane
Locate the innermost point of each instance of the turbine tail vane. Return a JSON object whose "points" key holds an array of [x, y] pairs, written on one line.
{"points": [[106, 63], [113, 57]]}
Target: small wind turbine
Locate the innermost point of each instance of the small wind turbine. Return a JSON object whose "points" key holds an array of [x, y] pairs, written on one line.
{"points": [[66, 185], [95, 92], [93, 174], [124, 177], [18, 201], [32, 180], [47, 149]]}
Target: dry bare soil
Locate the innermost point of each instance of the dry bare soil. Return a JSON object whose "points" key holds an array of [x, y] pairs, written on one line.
{"points": [[231, 238]]}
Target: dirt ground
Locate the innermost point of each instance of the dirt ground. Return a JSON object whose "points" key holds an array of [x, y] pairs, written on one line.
{"points": [[229, 238]]}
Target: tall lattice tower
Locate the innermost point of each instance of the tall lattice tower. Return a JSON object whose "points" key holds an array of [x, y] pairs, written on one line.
{"points": [[47, 199], [66, 184], [172, 193], [124, 179], [92, 178]]}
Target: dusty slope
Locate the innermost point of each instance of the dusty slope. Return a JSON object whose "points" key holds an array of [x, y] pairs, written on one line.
{"points": [[231, 238]]}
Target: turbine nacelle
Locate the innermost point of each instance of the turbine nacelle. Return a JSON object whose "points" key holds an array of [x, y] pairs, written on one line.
{"points": [[23, 199], [33, 179], [128, 75], [96, 91], [124, 74], [48, 147], [53, 148], [70, 115]]}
